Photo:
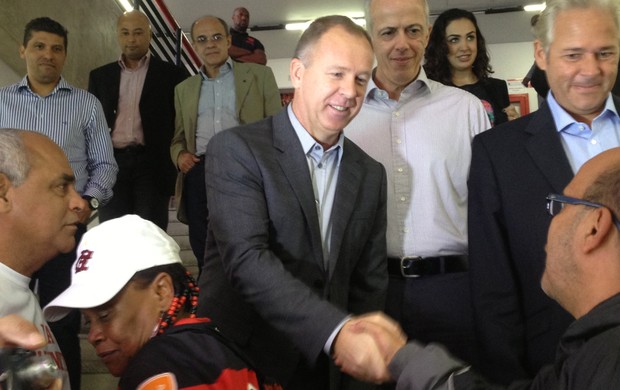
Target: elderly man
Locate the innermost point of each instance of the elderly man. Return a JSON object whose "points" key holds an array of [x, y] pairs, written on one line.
{"points": [[297, 220], [421, 131], [39, 215], [515, 165], [224, 94], [137, 95]]}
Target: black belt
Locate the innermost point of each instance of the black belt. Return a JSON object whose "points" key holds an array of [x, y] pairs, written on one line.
{"points": [[130, 149], [414, 267]]}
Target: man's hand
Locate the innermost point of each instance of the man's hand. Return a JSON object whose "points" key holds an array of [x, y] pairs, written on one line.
{"points": [[186, 161], [386, 333], [357, 352], [16, 331]]}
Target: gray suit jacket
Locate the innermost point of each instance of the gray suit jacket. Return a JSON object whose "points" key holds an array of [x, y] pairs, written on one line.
{"points": [[257, 96], [264, 282]]}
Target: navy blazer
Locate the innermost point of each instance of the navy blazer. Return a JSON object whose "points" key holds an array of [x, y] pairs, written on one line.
{"points": [[514, 166], [264, 281], [156, 109]]}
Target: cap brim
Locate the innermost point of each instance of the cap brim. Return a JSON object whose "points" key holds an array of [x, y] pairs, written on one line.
{"points": [[81, 297]]}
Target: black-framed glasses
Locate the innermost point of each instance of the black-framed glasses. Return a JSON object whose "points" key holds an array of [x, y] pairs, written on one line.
{"points": [[556, 202]]}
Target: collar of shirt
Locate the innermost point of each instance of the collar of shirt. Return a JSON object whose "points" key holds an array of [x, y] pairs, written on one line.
{"points": [[144, 62], [564, 122], [62, 84], [416, 87], [224, 69], [306, 140]]}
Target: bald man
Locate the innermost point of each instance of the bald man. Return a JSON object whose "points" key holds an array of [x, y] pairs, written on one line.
{"points": [[40, 213], [137, 95], [245, 48]]}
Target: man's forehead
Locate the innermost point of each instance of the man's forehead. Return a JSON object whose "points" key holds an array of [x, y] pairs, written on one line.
{"points": [[44, 36], [399, 17]]}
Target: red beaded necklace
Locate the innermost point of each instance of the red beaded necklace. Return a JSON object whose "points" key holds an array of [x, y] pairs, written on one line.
{"points": [[179, 302]]}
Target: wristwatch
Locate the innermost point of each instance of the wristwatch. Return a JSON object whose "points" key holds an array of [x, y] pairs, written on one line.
{"points": [[93, 203]]}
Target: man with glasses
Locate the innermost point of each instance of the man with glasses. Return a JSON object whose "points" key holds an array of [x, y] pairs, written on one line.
{"points": [[581, 273], [223, 94], [514, 166]]}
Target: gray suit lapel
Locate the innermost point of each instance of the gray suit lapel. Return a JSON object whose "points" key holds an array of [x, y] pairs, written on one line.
{"points": [[546, 150], [293, 163], [349, 183]]}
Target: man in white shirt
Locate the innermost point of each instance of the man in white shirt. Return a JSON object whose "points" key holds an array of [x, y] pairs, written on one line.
{"points": [[421, 131]]}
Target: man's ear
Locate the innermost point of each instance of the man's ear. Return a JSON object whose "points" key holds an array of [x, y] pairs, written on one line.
{"points": [[5, 187], [540, 55], [599, 225], [296, 72]]}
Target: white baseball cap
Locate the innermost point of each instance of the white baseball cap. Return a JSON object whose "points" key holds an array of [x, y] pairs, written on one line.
{"points": [[108, 256]]}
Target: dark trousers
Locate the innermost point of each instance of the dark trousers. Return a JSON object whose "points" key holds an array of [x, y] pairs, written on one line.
{"points": [[52, 279], [137, 190], [436, 309], [195, 198]]}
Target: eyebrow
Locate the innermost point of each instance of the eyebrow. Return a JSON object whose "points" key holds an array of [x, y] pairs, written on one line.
{"points": [[66, 178]]}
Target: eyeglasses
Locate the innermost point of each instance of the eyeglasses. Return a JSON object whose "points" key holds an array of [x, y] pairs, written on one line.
{"points": [[555, 204], [215, 38]]}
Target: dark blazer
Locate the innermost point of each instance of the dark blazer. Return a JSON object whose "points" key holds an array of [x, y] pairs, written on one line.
{"points": [[514, 167], [156, 109], [264, 282]]}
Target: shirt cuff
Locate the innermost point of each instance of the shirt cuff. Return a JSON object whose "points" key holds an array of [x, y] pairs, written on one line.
{"points": [[328, 344]]}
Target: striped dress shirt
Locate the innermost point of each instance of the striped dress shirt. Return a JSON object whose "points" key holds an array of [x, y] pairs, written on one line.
{"points": [[74, 119]]}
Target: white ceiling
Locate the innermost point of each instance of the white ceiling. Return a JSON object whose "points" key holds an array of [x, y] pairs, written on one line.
{"points": [[273, 12], [496, 27]]}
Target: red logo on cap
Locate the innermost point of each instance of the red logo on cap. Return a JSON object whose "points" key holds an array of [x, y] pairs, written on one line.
{"points": [[82, 263]]}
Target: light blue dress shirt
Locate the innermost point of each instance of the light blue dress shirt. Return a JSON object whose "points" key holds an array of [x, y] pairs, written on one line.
{"points": [[74, 119], [217, 107], [580, 141], [324, 166]]}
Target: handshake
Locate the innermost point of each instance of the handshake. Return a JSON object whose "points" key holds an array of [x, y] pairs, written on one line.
{"points": [[366, 345]]}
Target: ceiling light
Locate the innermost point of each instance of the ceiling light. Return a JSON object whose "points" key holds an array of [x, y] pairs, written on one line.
{"points": [[534, 7], [297, 26], [126, 5]]}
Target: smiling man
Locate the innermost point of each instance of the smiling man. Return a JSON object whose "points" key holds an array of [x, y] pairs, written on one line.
{"points": [[421, 131], [43, 101], [520, 162], [296, 236], [223, 94], [39, 216]]}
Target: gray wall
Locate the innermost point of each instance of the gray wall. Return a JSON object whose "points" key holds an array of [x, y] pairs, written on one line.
{"points": [[91, 41]]}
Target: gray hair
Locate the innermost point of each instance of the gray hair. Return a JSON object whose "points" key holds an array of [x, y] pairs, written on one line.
{"points": [[13, 156], [367, 4], [543, 29]]}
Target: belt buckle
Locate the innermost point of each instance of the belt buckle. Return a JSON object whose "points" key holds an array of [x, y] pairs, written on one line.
{"points": [[406, 263]]}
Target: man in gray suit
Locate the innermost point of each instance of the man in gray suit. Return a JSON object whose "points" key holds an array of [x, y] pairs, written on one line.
{"points": [[297, 219]]}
